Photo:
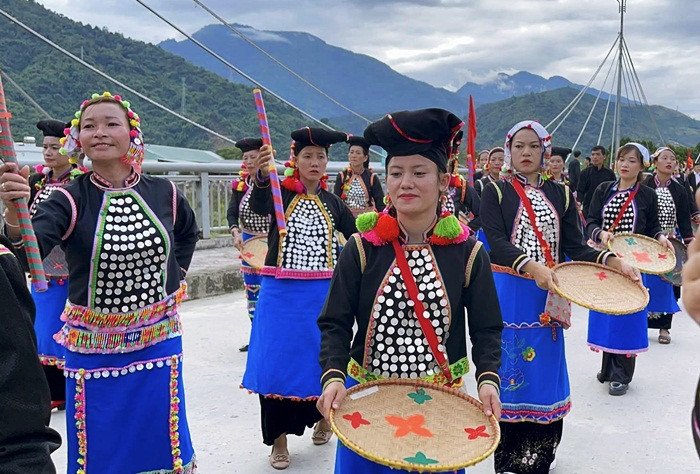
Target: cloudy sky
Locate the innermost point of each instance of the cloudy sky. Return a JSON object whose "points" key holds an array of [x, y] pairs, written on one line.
{"points": [[449, 42]]}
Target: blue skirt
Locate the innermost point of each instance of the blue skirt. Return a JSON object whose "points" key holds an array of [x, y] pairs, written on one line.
{"points": [[251, 279], [285, 341], [126, 412], [349, 462], [534, 377], [661, 297], [49, 306], [618, 334], [481, 237]]}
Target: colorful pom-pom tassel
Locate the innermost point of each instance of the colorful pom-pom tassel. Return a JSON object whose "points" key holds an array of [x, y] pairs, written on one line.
{"points": [[387, 228], [448, 227], [366, 221], [289, 172]]}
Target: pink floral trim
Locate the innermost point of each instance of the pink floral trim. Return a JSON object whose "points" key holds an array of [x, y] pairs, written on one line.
{"points": [[296, 274], [536, 415], [250, 270], [629, 352], [87, 342], [174, 202], [174, 418], [76, 315], [52, 361], [282, 397], [372, 237], [73, 211], [80, 420]]}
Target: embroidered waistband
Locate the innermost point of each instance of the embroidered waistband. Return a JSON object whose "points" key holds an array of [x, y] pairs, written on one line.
{"points": [[250, 270], [82, 316], [88, 342], [290, 273], [501, 269], [457, 369]]}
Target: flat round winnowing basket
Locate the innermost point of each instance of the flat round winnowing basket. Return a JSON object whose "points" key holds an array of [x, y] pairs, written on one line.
{"points": [[599, 288], [674, 276], [415, 425], [643, 252], [254, 251]]}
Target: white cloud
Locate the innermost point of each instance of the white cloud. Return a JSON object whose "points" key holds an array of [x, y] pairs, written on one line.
{"points": [[449, 42]]}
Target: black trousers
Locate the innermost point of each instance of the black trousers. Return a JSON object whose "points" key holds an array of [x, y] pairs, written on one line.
{"points": [[286, 416], [57, 382], [617, 368], [526, 447]]}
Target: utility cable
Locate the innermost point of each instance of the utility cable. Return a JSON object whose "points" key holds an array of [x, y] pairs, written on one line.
{"points": [[279, 63], [110, 78]]}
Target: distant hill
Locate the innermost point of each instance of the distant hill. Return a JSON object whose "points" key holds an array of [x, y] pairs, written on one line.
{"points": [[505, 86], [59, 85], [360, 82], [495, 119]]}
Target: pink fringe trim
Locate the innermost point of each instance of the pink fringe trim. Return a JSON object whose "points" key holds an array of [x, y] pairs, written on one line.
{"points": [[281, 397], [296, 274], [616, 351]]}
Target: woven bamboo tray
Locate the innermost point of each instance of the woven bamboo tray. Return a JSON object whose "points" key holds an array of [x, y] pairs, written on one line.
{"points": [[415, 425], [643, 252], [254, 251], [599, 288], [674, 276]]}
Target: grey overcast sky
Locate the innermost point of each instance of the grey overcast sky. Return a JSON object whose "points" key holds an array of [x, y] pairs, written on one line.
{"points": [[449, 42]]}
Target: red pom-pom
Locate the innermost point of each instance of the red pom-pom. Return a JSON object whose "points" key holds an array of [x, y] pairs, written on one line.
{"points": [[130, 114], [387, 228], [445, 213], [134, 133], [118, 97], [437, 240], [66, 131]]}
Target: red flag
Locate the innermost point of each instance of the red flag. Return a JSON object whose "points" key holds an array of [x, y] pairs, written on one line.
{"points": [[689, 160], [471, 140]]}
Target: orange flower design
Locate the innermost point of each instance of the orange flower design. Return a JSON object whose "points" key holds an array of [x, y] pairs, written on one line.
{"points": [[412, 424]]}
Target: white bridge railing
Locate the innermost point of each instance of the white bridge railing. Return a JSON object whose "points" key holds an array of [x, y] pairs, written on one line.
{"points": [[207, 186]]}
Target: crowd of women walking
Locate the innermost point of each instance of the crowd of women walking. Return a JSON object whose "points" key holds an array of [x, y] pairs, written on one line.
{"points": [[331, 306]]}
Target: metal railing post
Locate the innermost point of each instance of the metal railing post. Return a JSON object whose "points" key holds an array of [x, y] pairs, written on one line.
{"points": [[204, 203]]}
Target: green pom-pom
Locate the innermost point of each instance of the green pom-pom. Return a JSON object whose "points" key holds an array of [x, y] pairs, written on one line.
{"points": [[366, 221], [126, 104], [78, 114], [95, 96], [63, 151], [289, 172], [448, 227]]}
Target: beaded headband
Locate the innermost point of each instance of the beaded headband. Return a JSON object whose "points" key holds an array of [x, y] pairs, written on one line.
{"points": [[71, 144]]}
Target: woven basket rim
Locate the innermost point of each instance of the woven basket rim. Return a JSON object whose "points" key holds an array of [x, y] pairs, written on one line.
{"points": [[246, 260], [406, 465], [591, 306], [649, 240]]}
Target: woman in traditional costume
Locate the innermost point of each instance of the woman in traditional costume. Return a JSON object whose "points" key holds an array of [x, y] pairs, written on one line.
{"points": [[492, 169], [57, 171], [128, 240], [481, 161], [532, 224], [451, 271], [674, 218], [555, 166], [619, 206], [282, 365], [461, 199], [243, 223], [357, 185]]}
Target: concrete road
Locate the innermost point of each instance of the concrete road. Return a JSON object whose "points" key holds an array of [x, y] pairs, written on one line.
{"points": [[645, 431]]}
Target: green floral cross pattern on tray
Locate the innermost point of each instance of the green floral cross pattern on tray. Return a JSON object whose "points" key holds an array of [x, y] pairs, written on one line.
{"points": [[631, 241], [420, 458], [419, 396]]}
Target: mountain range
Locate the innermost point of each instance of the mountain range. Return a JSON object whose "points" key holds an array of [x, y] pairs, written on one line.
{"points": [[221, 101], [371, 88]]}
